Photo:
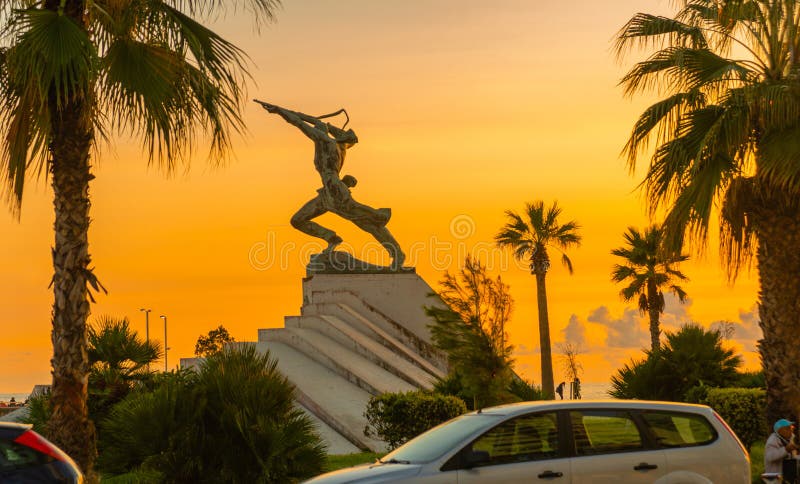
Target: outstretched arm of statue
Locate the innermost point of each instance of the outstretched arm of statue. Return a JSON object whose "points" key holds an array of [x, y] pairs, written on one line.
{"points": [[300, 120]]}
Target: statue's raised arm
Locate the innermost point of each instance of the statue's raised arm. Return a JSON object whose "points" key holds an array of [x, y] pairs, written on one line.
{"points": [[313, 127]]}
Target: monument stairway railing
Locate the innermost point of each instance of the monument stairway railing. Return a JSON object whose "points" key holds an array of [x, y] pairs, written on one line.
{"points": [[386, 357], [358, 307], [343, 361], [374, 332]]}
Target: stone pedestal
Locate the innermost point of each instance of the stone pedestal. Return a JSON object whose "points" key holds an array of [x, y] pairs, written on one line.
{"points": [[359, 333]]}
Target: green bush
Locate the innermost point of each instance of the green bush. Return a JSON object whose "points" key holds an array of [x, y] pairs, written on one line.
{"points": [[690, 357], [743, 409], [526, 391], [399, 417], [234, 422]]}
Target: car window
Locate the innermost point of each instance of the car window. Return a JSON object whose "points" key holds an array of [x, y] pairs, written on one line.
{"points": [[677, 429], [525, 438], [604, 431], [435, 442], [16, 456]]}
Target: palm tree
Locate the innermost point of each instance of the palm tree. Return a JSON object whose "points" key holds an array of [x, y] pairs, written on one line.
{"points": [[726, 135], [648, 269], [73, 72], [530, 238], [119, 360], [233, 421], [691, 356]]}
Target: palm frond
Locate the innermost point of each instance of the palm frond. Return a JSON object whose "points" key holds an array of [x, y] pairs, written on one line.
{"points": [[661, 118], [645, 30], [737, 233], [682, 69], [566, 262]]}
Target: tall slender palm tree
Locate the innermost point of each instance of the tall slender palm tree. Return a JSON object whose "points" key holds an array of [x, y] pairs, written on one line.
{"points": [[649, 269], [529, 238], [73, 72], [727, 135]]}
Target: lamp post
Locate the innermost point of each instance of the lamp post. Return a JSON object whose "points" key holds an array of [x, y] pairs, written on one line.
{"points": [[146, 323], [166, 348], [146, 327]]}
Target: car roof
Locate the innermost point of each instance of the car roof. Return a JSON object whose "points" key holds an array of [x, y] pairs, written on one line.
{"points": [[543, 405]]}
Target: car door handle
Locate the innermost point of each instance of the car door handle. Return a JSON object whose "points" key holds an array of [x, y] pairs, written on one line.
{"points": [[550, 474], [644, 466]]}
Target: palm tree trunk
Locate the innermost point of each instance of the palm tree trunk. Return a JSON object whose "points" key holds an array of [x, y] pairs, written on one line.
{"points": [[69, 426], [544, 337], [654, 311], [778, 232]]}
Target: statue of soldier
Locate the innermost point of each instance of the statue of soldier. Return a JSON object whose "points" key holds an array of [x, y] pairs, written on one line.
{"points": [[330, 147]]}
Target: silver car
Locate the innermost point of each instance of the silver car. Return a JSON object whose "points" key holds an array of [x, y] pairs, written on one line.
{"points": [[578, 441]]}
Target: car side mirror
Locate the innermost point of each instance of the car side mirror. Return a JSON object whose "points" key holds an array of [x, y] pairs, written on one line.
{"points": [[474, 458]]}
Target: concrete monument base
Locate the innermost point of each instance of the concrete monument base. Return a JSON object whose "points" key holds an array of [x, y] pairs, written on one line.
{"points": [[358, 334]]}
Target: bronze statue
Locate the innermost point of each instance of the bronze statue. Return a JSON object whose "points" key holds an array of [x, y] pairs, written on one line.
{"points": [[330, 147]]}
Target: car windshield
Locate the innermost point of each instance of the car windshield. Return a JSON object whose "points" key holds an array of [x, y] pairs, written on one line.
{"points": [[438, 440]]}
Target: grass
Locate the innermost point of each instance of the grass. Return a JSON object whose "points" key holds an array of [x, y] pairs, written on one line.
{"points": [[756, 462], [336, 462]]}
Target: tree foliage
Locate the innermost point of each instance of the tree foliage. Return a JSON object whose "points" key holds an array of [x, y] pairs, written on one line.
{"points": [[119, 360], [529, 237], [471, 330], [569, 359], [73, 72], [723, 143], [213, 342], [689, 357], [234, 421], [743, 409], [648, 269], [397, 418]]}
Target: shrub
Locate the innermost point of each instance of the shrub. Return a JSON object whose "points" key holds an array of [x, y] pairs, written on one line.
{"points": [[399, 417], [690, 357], [743, 409], [526, 391], [233, 422]]}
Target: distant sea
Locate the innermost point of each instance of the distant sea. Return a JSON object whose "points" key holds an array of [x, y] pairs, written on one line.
{"points": [[591, 391], [18, 397]]}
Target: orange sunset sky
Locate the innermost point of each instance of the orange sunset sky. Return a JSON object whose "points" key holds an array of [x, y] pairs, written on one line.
{"points": [[464, 109]]}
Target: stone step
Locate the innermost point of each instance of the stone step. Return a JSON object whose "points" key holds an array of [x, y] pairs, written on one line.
{"points": [[371, 330], [338, 330], [345, 362], [370, 321], [335, 442], [333, 399]]}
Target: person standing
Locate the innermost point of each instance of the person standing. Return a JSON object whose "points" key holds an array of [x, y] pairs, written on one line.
{"points": [[560, 390]]}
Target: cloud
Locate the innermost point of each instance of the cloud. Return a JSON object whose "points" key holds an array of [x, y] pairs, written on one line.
{"points": [[575, 332], [676, 314], [624, 332], [746, 330], [524, 350]]}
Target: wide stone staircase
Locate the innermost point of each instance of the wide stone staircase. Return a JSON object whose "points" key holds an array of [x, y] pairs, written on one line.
{"points": [[357, 335]]}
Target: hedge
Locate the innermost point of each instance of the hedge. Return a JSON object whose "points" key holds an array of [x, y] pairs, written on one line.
{"points": [[399, 417], [743, 409]]}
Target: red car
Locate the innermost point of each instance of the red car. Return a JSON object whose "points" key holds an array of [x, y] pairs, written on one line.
{"points": [[27, 457]]}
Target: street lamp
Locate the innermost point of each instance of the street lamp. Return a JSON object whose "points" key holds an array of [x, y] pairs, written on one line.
{"points": [[146, 323], [166, 348], [146, 327]]}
